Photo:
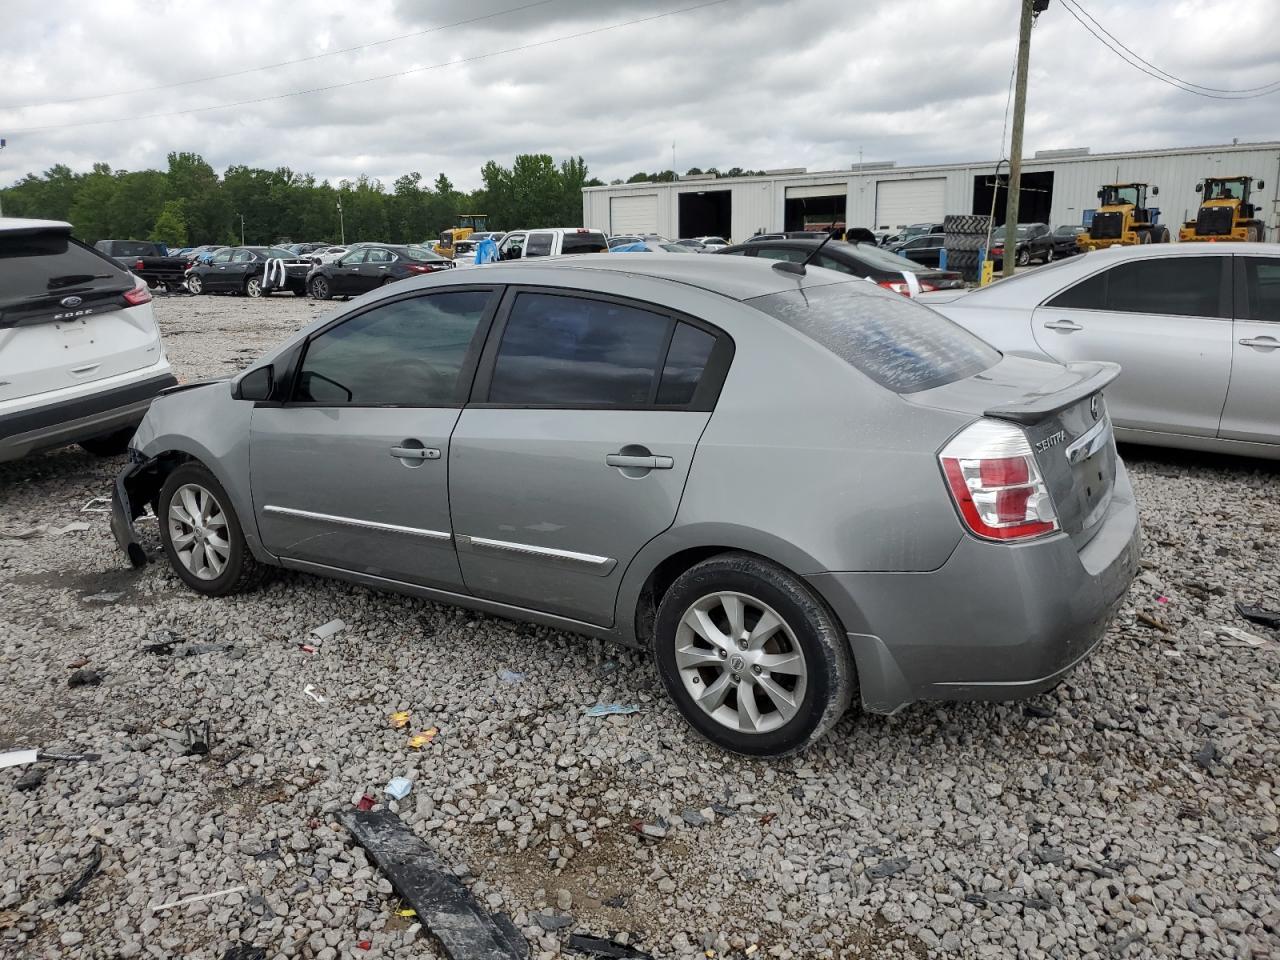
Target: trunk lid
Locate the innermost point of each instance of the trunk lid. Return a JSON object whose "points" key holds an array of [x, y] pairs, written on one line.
{"points": [[1062, 411]]}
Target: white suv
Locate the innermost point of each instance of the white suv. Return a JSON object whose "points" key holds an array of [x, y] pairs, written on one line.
{"points": [[80, 352]]}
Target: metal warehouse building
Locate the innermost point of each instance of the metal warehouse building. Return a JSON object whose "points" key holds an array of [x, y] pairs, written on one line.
{"points": [[1058, 186]]}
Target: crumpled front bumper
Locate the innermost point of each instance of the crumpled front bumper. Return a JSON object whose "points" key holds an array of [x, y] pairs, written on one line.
{"points": [[136, 486]]}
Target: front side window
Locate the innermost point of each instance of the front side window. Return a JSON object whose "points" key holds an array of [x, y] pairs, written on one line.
{"points": [[512, 247], [539, 245], [409, 353], [1171, 286], [897, 343], [565, 350]]}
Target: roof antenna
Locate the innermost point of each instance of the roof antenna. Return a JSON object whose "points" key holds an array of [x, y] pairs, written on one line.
{"points": [[787, 266]]}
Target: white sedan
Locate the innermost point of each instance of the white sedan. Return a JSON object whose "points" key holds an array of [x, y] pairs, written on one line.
{"points": [[1195, 328]]}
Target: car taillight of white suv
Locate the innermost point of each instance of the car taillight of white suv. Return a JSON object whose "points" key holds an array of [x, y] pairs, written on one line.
{"points": [[80, 350]]}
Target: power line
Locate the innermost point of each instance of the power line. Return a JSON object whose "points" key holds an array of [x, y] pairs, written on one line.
{"points": [[1266, 86], [282, 63], [1170, 80], [384, 76]]}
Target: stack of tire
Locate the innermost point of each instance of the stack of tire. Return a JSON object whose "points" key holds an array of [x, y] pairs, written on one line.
{"points": [[966, 235]]}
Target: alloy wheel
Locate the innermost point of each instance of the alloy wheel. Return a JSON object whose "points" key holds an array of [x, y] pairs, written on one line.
{"points": [[253, 287], [195, 284], [740, 662], [198, 531]]}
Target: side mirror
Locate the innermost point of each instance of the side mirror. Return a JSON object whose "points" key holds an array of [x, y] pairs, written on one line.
{"points": [[1199, 187], [1155, 191], [256, 384]]}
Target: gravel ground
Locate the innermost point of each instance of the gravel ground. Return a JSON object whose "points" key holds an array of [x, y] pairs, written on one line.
{"points": [[1132, 812]]}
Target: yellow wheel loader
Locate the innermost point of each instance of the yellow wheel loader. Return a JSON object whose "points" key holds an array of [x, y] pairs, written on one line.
{"points": [[468, 223], [1227, 212], [1123, 218]]}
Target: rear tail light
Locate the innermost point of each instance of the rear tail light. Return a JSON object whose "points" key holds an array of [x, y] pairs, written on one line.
{"points": [[897, 286], [996, 484], [137, 296]]}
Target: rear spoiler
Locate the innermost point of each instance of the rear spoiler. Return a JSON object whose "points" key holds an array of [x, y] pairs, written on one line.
{"points": [[1077, 381]]}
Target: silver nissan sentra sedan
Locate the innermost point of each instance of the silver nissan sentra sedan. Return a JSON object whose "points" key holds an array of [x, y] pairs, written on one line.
{"points": [[793, 487]]}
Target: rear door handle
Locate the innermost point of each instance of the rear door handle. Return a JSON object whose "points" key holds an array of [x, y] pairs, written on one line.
{"points": [[1264, 342], [639, 463], [415, 453], [1065, 325]]}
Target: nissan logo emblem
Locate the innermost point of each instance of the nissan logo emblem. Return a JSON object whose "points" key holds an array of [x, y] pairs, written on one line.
{"points": [[1093, 406], [71, 301]]}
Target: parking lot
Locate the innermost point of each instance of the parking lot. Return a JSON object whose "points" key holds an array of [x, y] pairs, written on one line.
{"points": [[1131, 812]]}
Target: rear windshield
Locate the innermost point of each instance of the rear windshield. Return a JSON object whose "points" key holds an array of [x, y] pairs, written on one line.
{"points": [[899, 344], [422, 254], [584, 243], [873, 256], [133, 248], [40, 264]]}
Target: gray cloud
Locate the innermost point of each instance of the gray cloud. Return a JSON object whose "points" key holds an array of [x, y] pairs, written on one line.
{"points": [[749, 83]]}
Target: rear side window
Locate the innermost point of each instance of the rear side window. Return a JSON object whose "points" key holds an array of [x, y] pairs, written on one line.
{"points": [[783, 253], [686, 360], [43, 264], [560, 350], [899, 344], [584, 243], [1262, 283], [538, 245], [1171, 286], [408, 353]]}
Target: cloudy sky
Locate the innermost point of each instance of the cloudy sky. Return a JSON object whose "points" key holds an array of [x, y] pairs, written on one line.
{"points": [[752, 83]]}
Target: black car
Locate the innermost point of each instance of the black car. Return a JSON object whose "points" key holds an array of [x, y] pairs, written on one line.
{"points": [[925, 250], [858, 259], [372, 265], [1034, 242], [1064, 239], [244, 270]]}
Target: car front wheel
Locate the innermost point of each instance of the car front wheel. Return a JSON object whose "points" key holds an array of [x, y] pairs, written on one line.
{"points": [[753, 660], [1024, 257], [253, 287], [319, 288], [195, 284], [202, 536]]}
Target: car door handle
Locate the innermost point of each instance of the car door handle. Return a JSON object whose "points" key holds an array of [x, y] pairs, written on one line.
{"points": [[639, 463], [415, 453], [1066, 326], [1266, 343]]}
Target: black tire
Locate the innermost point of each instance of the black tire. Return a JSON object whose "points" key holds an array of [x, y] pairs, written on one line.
{"points": [[1049, 255], [1164, 236], [1023, 257], [111, 445], [1144, 236], [828, 670], [319, 289], [241, 570], [195, 284], [965, 223], [253, 288]]}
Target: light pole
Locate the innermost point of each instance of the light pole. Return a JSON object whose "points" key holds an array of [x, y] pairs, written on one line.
{"points": [[3, 141], [342, 229], [241, 229]]}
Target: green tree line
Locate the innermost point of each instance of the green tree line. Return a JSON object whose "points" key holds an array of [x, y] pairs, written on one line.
{"points": [[188, 204]]}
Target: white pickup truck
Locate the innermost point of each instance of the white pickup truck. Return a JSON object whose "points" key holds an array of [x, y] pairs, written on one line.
{"points": [[551, 242]]}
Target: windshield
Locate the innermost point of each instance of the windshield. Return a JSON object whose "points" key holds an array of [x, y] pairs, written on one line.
{"points": [[1068, 231], [1223, 190], [899, 344], [1111, 196]]}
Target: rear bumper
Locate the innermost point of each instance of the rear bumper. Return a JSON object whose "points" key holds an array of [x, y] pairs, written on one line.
{"points": [[995, 622], [80, 418]]}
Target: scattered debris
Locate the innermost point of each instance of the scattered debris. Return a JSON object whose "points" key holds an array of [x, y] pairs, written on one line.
{"points": [[420, 740], [67, 757], [106, 596], [399, 720], [608, 667], [723, 810], [888, 868], [616, 902], [398, 788], [97, 505], [84, 678], [1208, 755], [1050, 855], [160, 642], [245, 951], [76, 526], [599, 947], [751, 949], [366, 802], [72, 893], [768, 818], [552, 921], [1243, 637], [407, 912], [1151, 621], [26, 534], [510, 676], [311, 691], [308, 648], [444, 906], [198, 740], [78, 662], [30, 780], [364, 945], [693, 818], [1259, 615], [650, 831], [327, 630], [197, 898], [1037, 711], [609, 709]]}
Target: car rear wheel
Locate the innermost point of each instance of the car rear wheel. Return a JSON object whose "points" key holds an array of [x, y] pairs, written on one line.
{"points": [[1048, 256], [319, 288], [195, 284], [202, 536], [253, 287], [753, 660]]}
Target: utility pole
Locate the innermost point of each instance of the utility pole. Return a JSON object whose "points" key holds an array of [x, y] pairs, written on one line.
{"points": [[342, 227], [1029, 12], [3, 142], [242, 229]]}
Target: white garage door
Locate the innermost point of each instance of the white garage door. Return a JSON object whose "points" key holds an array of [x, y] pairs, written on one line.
{"points": [[633, 214], [900, 202]]}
